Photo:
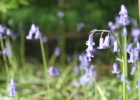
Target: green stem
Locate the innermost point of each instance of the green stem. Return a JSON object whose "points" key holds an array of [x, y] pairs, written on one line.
{"points": [[22, 48], [138, 79], [139, 61], [99, 90], [52, 59], [124, 82], [125, 55], [124, 67], [95, 91], [45, 65], [6, 66]]}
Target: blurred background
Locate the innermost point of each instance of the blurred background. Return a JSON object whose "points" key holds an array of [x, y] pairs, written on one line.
{"points": [[66, 20], [64, 25]]}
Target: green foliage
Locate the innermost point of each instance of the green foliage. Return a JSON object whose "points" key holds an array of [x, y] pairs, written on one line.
{"points": [[6, 5]]}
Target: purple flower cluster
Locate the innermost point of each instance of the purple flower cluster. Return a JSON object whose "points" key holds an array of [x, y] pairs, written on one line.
{"points": [[4, 31], [103, 44], [124, 19], [13, 88], [88, 69], [84, 63], [53, 71], [86, 79]]}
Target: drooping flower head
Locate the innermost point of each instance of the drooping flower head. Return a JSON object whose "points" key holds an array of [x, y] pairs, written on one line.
{"points": [[106, 42], [103, 44], [37, 33], [129, 47], [13, 88], [115, 69], [90, 45], [101, 41], [131, 59], [33, 30], [115, 49]]}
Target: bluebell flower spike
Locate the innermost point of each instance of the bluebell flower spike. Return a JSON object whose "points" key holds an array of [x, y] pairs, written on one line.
{"points": [[124, 19], [13, 88]]}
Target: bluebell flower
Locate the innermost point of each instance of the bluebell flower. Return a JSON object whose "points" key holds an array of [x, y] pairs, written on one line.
{"points": [[44, 39], [13, 88], [131, 59], [90, 50], [135, 33], [133, 69], [53, 71], [60, 14], [101, 41], [106, 42], [84, 63], [115, 49], [76, 69], [4, 31], [124, 19], [89, 54], [57, 51], [136, 54], [129, 47], [138, 86], [111, 26], [124, 31], [8, 50], [8, 32], [85, 80], [33, 30], [128, 87], [116, 25], [121, 77], [115, 69], [138, 46], [37, 33]]}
